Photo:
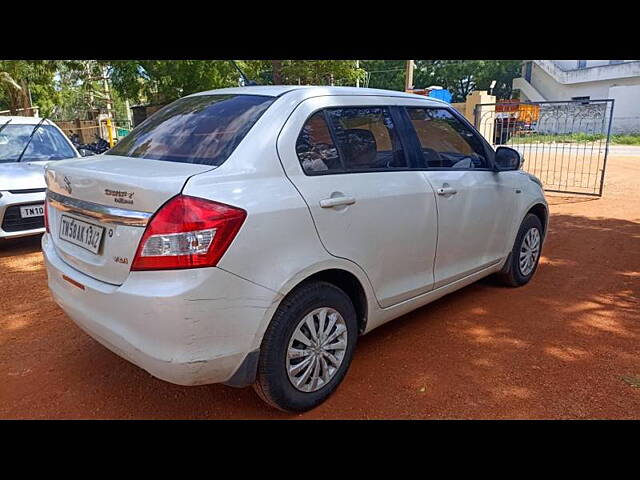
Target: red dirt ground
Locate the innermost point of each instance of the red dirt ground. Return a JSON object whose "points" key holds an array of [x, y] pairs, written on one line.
{"points": [[560, 347]]}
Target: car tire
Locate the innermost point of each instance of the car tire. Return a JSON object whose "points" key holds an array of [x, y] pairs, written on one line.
{"points": [[276, 367], [513, 274]]}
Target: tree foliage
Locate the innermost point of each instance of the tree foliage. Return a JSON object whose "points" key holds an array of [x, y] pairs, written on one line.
{"points": [[386, 74], [461, 77], [308, 72], [24, 81], [65, 88], [80, 87], [161, 81]]}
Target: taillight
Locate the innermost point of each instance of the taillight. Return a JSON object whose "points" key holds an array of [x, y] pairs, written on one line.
{"points": [[187, 232], [46, 215]]}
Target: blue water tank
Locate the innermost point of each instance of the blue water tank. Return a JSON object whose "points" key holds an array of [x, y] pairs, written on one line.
{"points": [[443, 94]]}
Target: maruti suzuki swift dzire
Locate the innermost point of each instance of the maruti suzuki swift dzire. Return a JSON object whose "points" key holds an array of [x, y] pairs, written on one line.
{"points": [[249, 235]]}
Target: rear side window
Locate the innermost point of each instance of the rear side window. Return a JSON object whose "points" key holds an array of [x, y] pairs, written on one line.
{"points": [[339, 140], [367, 138], [315, 148], [445, 141], [203, 129]]}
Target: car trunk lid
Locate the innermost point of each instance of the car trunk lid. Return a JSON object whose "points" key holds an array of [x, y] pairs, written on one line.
{"points": [[99, 207]]}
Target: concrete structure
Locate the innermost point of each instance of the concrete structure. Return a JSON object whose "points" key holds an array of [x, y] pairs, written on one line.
{"points": [[487, 112], [554, 80]]}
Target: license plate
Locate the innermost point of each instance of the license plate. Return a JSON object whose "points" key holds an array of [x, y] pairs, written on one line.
{"points": [[81, 233], [32, 211]]}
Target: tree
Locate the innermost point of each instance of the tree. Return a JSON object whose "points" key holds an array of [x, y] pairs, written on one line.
{"points": [[386, 74], [25, 81], [161, 81], [320, 72], [304, 72], [461, 77], [80, 87]]}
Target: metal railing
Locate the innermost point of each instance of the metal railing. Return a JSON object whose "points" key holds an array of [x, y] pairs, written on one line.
{"points": [[564, 143]]}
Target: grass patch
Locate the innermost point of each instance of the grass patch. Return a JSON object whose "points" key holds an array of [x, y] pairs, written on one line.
{"points": [[631, 139], [633, 380], [619, 139]]}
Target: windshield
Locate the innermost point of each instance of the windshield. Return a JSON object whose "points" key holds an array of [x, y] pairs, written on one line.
{"points": [[204, 129], [47, 144]]}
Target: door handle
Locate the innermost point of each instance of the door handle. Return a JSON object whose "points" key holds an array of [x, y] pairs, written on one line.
{"points": [[337, 201], [446, 191]]}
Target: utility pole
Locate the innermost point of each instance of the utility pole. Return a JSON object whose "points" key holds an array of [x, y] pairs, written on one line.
{"points": [[408, 75], [128, 109], [107, 93], [357, 78]]}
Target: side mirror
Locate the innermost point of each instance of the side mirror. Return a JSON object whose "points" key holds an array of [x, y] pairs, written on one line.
{"points": [[85, 152], [508, 159]]}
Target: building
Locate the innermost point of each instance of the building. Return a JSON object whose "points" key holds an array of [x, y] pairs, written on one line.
{"points": [[553, 80]]}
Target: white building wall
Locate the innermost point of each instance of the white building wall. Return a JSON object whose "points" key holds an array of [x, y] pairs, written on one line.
{"points": [[626, 109], [625, 92], [573, 64]]}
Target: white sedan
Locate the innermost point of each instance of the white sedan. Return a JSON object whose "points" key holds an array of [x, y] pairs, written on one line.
{"points": [[26, 145], [250, 235]]}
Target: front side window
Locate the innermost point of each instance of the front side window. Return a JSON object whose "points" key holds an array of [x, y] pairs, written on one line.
{"points": [[203, 129], [445, 141], [47, 144]]}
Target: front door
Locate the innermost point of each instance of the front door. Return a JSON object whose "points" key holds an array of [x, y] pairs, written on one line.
{"points": [[349, 164], [474, 202]]}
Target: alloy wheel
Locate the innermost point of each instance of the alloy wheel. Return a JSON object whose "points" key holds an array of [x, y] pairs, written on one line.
{"points": [[316, 349], [529, 251]]}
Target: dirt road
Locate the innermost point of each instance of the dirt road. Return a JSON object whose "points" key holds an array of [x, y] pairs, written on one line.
{"points": [[565, 346]]}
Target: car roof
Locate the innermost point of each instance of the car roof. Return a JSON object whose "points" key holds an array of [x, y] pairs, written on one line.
{"points": [[308, 91], [18, 120]]}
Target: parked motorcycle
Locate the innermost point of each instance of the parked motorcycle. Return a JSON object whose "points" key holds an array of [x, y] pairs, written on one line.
{"points": [[93, 148]]}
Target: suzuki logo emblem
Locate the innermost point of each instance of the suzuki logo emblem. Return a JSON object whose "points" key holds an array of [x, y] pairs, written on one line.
{"points": [[67, 185]]}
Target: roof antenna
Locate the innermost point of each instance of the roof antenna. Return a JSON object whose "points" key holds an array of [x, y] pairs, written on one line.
{"points": [[247, 82]]}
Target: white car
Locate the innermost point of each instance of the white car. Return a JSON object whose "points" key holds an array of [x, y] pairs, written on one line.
{"points": [[250, 235], [26, 145]]}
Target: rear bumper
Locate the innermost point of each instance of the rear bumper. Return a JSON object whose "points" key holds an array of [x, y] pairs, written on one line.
{"points": [[187, 327], [8, 227]]}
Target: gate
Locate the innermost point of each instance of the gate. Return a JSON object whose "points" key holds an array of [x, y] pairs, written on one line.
{"points": [[565, 144]]}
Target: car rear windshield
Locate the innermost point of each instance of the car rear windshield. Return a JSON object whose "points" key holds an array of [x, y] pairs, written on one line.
{"points": [[203, 129]]}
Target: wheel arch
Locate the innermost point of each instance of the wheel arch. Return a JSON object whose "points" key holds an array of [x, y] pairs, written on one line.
{"points": [[541, 211], [343, 274], [342, 278], [539, 208], [349, 284]]}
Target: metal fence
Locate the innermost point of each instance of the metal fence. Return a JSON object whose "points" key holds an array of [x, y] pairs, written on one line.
{"points": [[89, 131], [565, 144]]}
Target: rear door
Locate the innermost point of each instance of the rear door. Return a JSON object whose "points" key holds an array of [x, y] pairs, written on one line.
{"points": [[347, 159], [475, 204]]}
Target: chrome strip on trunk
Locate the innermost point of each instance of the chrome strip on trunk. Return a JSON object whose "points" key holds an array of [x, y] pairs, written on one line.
{"points": [[102, 213]]}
